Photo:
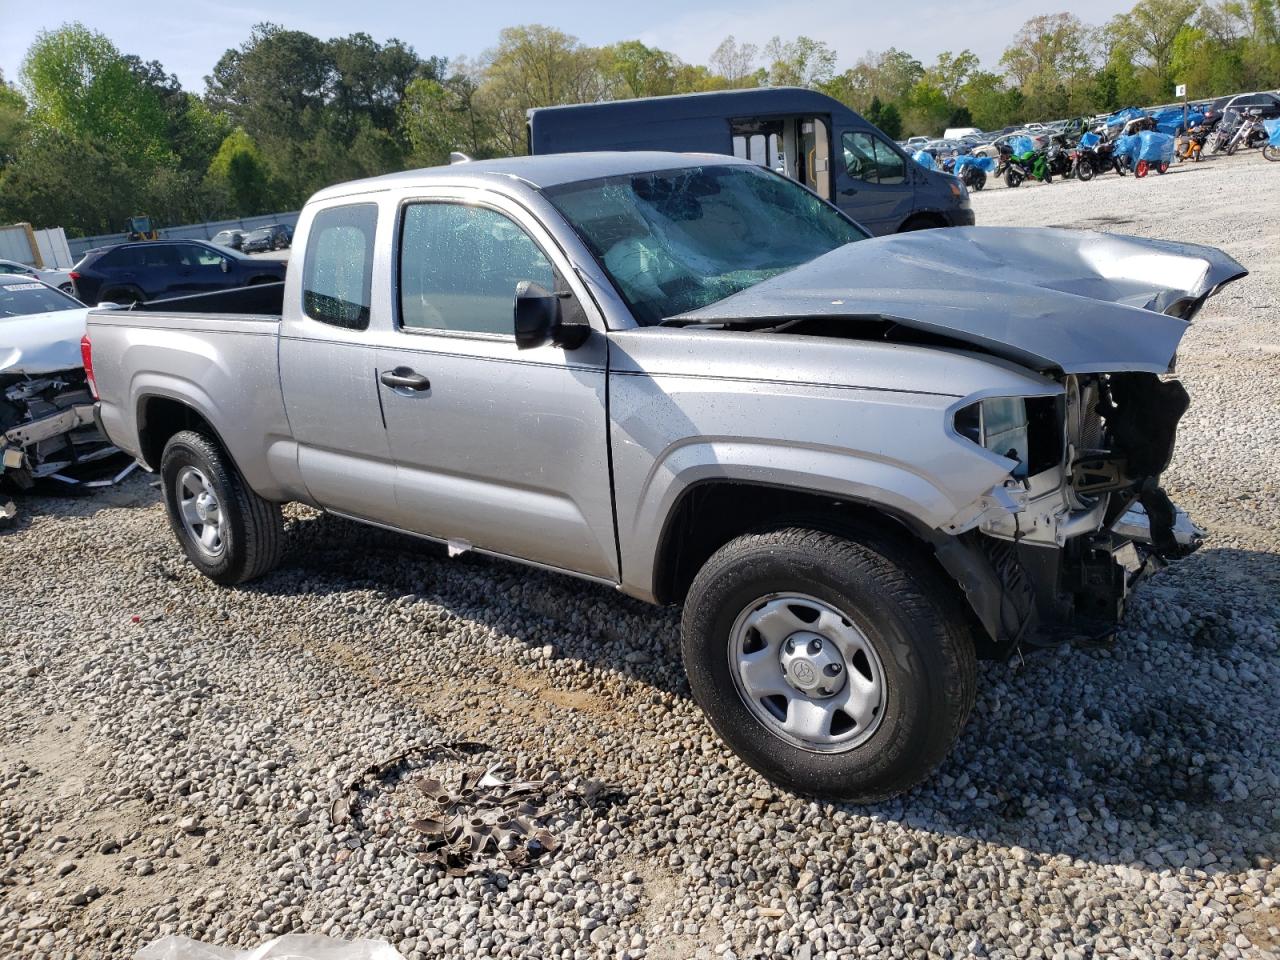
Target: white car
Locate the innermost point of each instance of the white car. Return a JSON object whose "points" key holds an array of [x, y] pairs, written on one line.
{"points": [[55, 278]]}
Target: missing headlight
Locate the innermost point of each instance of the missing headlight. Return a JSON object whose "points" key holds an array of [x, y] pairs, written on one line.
{"points": [[1025, 429]]}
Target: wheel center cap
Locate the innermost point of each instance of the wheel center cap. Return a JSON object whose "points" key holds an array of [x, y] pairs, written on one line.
{"points": [[206, 506], [812, 664]]}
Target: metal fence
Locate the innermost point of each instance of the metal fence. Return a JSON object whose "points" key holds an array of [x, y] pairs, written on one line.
{"points": [[191, 231]]}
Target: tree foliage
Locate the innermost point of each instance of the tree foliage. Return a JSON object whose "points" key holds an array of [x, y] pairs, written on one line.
{"points": [[95, 135]]}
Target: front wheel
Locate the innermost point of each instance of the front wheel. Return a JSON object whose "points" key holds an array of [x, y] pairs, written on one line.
{"points": [[833, 667], [1141, 169], [979, 180], [1162, 169], [1012, 178], [228, 532], [1084, 170], [1233, 146]]}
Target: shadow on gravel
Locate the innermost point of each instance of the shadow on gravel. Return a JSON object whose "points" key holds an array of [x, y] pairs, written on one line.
{"points": [[1163, 749]]}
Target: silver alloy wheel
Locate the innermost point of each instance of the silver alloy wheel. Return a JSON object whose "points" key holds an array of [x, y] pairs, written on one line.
{"points": [[807, 672], [200, 511]]}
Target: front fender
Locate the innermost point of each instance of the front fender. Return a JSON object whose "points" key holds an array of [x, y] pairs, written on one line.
{"points": [[893, 487]]}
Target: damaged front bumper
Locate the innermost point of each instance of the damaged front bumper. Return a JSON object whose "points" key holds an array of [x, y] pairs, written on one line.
{"points": [[1052, 552], [48, 431]]}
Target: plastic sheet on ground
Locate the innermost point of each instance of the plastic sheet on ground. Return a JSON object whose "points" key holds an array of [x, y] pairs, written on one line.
{"points": [[291, 947], [924, 159], [985, 164], [1273, 131]]}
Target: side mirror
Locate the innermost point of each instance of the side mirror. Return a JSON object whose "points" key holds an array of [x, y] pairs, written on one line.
{"points": [[539, 319]]}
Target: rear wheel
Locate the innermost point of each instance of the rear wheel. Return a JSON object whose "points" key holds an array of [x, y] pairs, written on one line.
{"points": [[1141, 169], [1084, 170], [226, 530], [1162, 169], [834, 667], [1271, 153], [125, 295]]}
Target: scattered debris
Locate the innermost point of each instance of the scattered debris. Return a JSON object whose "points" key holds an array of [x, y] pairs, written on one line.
{"points": [[483, 816]]}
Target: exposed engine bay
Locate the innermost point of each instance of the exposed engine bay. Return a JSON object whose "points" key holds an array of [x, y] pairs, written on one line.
{"points": [[47, 432], [1083, 517]]}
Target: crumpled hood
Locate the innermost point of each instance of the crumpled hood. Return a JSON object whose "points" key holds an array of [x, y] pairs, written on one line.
{"points": [[42, 342], [1072, 300]]}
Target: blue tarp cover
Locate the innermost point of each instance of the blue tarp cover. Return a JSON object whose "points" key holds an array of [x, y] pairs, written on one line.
{"points": [[1121, 117], [1021, 145], [1273, 132], [985, 164], [1150, 145], [1090, 140], [924, 159], [1170, 118]]}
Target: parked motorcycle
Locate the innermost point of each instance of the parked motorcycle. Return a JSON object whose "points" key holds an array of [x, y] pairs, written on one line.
{"points": [[1032, 165], [1250, 133], [1095, 158], [1191, 144], [1058, 161], [1224, 131]]}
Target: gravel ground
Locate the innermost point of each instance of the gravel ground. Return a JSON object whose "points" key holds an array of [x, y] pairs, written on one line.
{"points": [[170, 749]]}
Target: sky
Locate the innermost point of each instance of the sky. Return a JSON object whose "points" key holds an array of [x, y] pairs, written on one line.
{"points": [[189, 43]]}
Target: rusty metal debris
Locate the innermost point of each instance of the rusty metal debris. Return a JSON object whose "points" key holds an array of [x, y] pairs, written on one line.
{"points": [[482, 817]]}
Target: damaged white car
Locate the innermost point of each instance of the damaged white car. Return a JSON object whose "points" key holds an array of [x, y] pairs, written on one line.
{"points": [[47, 428]]}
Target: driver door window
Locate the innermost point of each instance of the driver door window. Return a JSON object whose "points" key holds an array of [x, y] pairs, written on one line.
{"points": [[870, 159], [460, 265]]}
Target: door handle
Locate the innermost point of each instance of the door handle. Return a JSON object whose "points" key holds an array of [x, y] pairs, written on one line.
{"points": [[405, 378]]}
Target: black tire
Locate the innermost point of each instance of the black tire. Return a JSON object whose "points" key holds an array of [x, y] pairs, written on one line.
{"points": [[1012, 178], [123, 295], [252, 529], [901, 606], [1271, 153], [979, 180], [1084, 170], [1232, 147]]}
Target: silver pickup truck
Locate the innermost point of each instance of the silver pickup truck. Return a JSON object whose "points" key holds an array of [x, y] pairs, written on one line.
{"points": [[859, 463]]}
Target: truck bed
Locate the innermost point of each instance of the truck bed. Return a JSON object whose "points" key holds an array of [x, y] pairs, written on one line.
{"points": [[260, 301]]}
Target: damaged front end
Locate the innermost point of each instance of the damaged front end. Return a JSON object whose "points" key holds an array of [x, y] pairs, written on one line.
{"points": [[48, 433], [1082, 518]]}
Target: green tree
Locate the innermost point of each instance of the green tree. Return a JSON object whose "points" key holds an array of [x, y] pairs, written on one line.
{"points": [[439, 118], [640, 71], [238, 167], [735, 62], [535, 66], [886, 117], [13, 122], [1150, 30], [1051, 61], [991, 102], [950, 71], [928, 110], [77, 81], [802, 62]]}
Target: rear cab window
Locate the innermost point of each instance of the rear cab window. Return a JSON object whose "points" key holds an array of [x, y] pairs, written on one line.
{"points": [[337, 274]]}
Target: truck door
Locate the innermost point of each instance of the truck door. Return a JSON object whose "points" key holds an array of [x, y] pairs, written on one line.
{"points": [[873, 181], [504, 449], [328, 367]]}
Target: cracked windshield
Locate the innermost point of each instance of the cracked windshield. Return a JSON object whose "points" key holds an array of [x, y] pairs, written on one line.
{"points": [[677, 240]]}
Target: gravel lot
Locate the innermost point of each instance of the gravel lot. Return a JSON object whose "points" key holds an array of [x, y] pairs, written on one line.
{"points": [[170, 749]]}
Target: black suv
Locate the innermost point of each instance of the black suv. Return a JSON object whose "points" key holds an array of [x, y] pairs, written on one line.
{"points": [[274, 237], [157, 269]]}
